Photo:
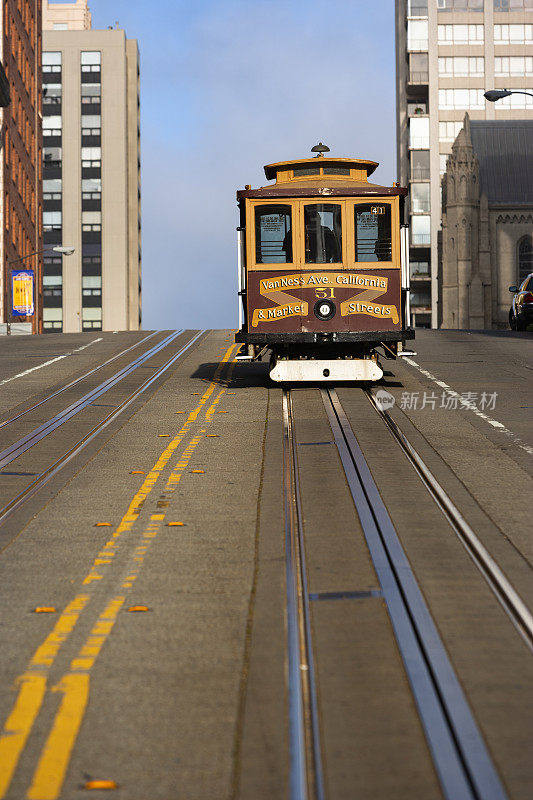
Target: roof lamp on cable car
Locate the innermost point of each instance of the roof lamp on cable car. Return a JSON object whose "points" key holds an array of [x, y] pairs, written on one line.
{"points": [[320, 149]]}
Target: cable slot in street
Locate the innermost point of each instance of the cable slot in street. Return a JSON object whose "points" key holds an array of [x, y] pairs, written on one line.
{"points": [[461, 758], [306, 774]]}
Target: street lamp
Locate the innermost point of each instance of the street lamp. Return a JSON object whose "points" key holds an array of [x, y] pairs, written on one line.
{"points": [[65, 250], [498, 94]]}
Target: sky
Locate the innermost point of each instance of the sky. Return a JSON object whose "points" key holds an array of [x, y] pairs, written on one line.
{"points": [[228, 86]]}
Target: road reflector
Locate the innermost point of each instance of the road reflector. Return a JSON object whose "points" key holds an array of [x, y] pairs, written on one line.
{"points": [[195, 394], [222, 412], [100, 784], [103, 525], [179, 412], [231, 392], [138, 608], [163, 435], [44, 610], [137, 472], [212, 436], [197, 471], [175, 524]]}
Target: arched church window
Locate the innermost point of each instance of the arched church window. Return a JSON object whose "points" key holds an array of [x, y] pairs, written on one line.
{"points": [[525, 258]]}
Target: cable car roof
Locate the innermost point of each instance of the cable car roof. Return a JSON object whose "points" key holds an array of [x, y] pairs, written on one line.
{"points": [[271, 170], [321, 176]]}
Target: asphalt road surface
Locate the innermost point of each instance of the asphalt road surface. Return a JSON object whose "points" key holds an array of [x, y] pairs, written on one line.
{"points": [[145, 626]]}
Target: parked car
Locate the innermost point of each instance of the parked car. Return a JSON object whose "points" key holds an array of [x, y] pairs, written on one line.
{"points": [[521, 313]]}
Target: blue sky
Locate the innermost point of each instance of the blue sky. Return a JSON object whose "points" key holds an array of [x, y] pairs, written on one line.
{"points": [[228, 86]]}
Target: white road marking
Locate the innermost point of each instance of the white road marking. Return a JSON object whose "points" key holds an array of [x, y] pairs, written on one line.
{"points": [[473, 408], [47, 363]]}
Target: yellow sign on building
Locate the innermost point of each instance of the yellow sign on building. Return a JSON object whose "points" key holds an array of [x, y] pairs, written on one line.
{"points": [[22, 286]]}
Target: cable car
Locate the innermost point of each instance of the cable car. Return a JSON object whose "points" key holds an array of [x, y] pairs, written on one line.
{"points": [[323, 270]]}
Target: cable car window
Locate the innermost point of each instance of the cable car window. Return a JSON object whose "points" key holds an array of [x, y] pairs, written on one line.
{"points": [[373, 238], [273, 235], [323, 234], [305, 171], [336, 170]]}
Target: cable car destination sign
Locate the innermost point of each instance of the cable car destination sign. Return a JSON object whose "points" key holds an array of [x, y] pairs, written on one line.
{"points": [[324, 285]]}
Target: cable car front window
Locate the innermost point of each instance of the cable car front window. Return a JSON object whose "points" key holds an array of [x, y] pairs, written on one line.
{"points": [[273, 235], [323, 234], [373, 237]]}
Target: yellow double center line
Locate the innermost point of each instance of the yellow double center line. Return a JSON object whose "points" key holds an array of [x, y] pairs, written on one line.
{"points": [[49, 775]]}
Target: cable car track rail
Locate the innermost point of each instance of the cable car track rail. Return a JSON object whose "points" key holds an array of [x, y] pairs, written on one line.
{"points": [[75, 382], [459, 753], [505, 593], [18, 501], [306, 778], [23, 444]]}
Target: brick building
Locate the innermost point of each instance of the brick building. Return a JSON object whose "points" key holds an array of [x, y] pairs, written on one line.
{"points": [[21, 146]]}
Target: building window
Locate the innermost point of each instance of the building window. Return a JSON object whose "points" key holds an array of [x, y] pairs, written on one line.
{"points": [[417, 34], [91, 221], [513, 5], [51, 62], [448, 131], [461, 98], [91, 125], [91, 318], [417, 8], [52, 286], [91, 156], [517, 101], [513, 65], [61, 26], [51, 221], [51, 94], [52, 189], [421, 230], [460, 5], [52, 319], [91, 188], [419, 269], [443, 159], [421, 298], [418, 68], [420, 165], [91, 258], [420, 198], [460, 34], [52, 156], [91, 93], [513, 34], [91, 61], [525, 258], [52, 126], [91, 285], [419, 132], [462, 66]]}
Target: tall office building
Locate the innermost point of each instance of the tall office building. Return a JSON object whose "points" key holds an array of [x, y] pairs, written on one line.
{"points": [[91, 173], [448, 52], [20, 148]]}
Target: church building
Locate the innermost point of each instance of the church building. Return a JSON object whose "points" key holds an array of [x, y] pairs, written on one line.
{"points": [[487, 222]]}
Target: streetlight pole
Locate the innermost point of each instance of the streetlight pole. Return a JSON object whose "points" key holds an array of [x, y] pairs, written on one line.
{"points": [[63, 249]]}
